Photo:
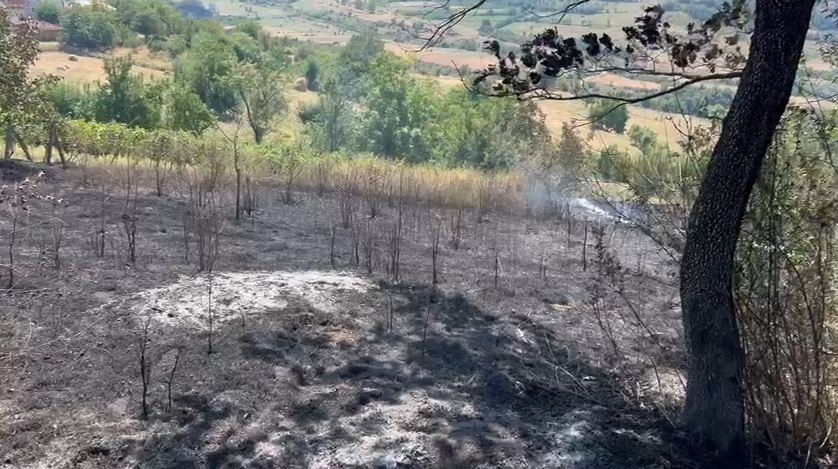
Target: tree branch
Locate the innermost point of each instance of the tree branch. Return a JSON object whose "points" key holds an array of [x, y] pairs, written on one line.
{"points": [[545, 94], [561, 13], [453, 20]]}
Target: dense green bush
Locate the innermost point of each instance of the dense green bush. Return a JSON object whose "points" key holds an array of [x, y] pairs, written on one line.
{"points": [[608, 115], [49, 11], [88, 28]]}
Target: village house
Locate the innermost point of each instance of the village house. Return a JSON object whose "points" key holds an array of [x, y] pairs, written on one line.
{"points": [[47, 32], [18, 9]]}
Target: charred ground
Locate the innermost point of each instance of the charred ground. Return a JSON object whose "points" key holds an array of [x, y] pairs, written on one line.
{"points": [[394, 374]]}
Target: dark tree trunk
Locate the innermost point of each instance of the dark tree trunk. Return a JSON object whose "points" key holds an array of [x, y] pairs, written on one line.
{"points": [[714, 409], [9, 148], [50, 143], [60, 147], [23, 146], [238, 191]]}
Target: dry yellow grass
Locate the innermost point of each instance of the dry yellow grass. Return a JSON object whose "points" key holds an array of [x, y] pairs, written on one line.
{"points": [[145, 58], [287, 124], [314, 38], [83, 69], [444, 187], [381, 15], [617, 81], [664, 124], [557, 113], [442, 56]]}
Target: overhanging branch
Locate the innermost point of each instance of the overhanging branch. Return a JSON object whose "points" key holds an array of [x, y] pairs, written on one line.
{"points": [[438, 32], [546, 94]]}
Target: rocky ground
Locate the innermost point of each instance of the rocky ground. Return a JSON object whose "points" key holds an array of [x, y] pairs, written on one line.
{"points": [[316, 361]]}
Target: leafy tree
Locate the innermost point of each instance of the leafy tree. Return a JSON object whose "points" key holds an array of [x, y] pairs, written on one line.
{"points": [[250, 28], [88, 28], [149, 23], [49, 11], [608, 164], [125, 99], [245, 47], [356, 58], [185, 111], [260, 89], [18, 51], [72, 101], [397, 108], [151, 18], [360, 52], [207, 67], [331, 120], [571, 156], [21, 97], [642, 138], [465, 129], [608, 115]]}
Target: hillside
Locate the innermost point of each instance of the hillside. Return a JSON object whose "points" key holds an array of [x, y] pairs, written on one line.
{"points": [[285, 234]]}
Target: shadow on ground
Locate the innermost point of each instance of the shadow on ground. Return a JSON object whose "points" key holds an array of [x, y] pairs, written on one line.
{"points": [[449, 386]]}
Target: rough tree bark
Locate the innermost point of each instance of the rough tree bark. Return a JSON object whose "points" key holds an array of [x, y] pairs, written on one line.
{"points": [[714, 409]]}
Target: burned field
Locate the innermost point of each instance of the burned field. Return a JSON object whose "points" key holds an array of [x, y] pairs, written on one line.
{"points": [[545, 342]]}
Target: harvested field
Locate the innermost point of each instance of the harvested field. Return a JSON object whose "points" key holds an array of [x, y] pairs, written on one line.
{"points": [[82, 69]]}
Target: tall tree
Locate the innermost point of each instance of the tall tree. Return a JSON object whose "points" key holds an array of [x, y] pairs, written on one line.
{"points": [[20, 96], [355, 60], [714, 408], [714, 405], [605, 116]]}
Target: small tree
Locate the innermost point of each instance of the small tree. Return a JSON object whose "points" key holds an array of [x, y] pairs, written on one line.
{"points": [[235, 142], [184, 110], [571, 156], [260, 88], [313, 76], [49, 11], [145, 365], [607, 115], [124, 98]]}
